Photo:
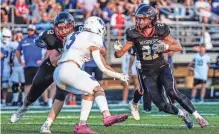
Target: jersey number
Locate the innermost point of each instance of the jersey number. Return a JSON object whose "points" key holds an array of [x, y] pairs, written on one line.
{"points": [[146, 52], [200, 62], [72, 40]]}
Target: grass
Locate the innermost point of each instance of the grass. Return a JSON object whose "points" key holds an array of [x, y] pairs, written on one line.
{"points": [[151, 123]]}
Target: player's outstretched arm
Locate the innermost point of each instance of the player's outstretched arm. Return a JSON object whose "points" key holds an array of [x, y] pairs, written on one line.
{"points": [[104, 67], [121, 50], [173, 44]]}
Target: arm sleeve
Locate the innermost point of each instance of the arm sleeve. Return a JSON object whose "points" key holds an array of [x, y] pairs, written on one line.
{"points": [[98, 61]]}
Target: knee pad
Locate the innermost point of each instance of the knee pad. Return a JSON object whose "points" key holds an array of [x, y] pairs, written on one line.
{"points": [[22, 87], [15, 87], [98, 91], [60, 94]]}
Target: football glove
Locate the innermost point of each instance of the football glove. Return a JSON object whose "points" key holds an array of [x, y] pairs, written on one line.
{"points": [[124, 77], [117, 45], [160, 47]]}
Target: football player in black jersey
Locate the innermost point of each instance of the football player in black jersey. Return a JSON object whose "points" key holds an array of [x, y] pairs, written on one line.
{"points": [[52, 40], [151, 40]]}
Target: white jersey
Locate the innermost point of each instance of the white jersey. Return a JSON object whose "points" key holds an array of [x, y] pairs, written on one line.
{"points": [[7, 55], [77, 44], [201, 66]]}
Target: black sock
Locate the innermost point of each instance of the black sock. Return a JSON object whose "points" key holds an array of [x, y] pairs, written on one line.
{"points": [[137, 96]]}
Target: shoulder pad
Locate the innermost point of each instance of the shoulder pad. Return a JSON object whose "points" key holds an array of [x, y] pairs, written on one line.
{"points": [[163, 29], [129, 33], [79, 28]]}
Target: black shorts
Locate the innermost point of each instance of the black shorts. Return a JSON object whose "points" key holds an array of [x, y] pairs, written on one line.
{"points": [[98, 74], [29, 74], [198, 81]]}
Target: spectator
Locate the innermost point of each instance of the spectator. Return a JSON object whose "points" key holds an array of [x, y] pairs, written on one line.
{"points": [[215, 6], [118, 22], [97, 10], [21, 12], [54, 11], [32, 56], [70, 4], [204, 10], [44, 24], [201, 63], [87, 6], [103, 3], [38, 10], [4, 16], [108, 12]]}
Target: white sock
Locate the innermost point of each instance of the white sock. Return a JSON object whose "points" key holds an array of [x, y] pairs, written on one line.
{"points": [[196, 115], [49, 121], [85, 110], [15, 97], [102, 103], [180, 113], [3, 101]]}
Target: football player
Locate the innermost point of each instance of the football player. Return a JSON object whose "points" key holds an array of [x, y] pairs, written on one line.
{"points": [[52, 40], [6, 45], [78, 49], [151, 40]]}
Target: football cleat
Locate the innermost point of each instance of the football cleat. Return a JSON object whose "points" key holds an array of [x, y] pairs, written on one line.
{"points": [[134, 110], [18, 114], [202, 122], [113, 119], [45, 129], [188, 122], [83, 129]]}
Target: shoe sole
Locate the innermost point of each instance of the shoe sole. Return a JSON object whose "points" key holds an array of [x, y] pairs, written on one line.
{"points": [[122, 118]]}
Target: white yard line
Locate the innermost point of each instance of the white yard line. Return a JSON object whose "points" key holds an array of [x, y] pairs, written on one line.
{"points": [[110, 105]]}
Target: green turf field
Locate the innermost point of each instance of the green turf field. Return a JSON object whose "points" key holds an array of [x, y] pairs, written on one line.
{"points": [[150, 123]]}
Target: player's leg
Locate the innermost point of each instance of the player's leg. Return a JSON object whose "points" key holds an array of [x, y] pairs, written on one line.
{"points": [[22, 82], [45, 98], [194, 90], [52, 93], [41, 81], [5, 86], [15, 86], [55, 110], [167, 79], [69, 74], [203, 90]]}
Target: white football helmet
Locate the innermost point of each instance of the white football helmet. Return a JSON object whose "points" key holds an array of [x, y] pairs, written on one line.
{"points": [[6, 35], [95, 25]]}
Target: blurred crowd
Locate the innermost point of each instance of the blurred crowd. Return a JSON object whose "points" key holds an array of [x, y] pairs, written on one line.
{"points": [[42, 12]]}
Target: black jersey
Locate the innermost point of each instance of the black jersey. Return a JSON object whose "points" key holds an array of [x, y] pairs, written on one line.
{"points": [[143, 45], [49, 40]]}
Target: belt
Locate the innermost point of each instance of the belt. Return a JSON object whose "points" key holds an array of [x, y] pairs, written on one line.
{"points": [[70, 61]]}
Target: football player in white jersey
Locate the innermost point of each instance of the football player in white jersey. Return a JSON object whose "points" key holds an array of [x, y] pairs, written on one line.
{"points": [[201, 63], [78, 49], [5, 44]]}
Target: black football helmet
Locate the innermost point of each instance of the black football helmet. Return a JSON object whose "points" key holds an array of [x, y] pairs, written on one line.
{"points": [[64, 24], [145, 11]]}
